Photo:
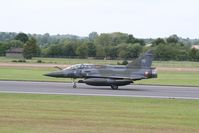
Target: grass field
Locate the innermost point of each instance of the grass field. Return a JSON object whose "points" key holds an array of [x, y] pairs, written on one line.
{"points": [[22, 113], [28, 74], [165, 77], [67, 61], [63, 61], [174, 64], [36, 74], [174, 78]]}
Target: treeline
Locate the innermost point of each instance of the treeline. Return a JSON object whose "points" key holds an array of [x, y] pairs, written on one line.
{"points": [[114, 45], [106, 45]]}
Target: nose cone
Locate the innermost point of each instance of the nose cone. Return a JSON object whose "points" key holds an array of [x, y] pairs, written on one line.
{"points": [[55, 74]]}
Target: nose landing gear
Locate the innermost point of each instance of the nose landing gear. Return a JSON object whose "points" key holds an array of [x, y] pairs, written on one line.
{"points": [[74, 84]]}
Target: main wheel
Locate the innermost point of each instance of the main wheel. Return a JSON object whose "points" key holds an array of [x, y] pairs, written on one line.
{"points": [[114, 87]]}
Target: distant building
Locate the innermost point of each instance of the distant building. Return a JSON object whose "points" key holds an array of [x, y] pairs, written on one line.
{"points": [[195, 46], [148, 44], [15, 53]]}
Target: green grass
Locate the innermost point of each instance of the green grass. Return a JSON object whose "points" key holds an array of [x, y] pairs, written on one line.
{"points": [[173, 64], [63, 61], [22, 113], [68, 61], [164, 78], [27, 74], [174, 78], [36, 74], [76, 61]]}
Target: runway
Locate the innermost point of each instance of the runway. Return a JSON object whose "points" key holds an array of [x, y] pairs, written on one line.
{"points": [[125, 91]]}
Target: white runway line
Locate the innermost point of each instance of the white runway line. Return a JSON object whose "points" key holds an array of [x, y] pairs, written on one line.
{"points": [[86, 94]]}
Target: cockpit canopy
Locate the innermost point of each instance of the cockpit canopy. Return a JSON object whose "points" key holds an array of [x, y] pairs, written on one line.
{"points": [[80, 66]]}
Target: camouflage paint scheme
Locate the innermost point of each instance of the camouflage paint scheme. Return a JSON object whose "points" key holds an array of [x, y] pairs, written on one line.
{"points": [[110, 75]]}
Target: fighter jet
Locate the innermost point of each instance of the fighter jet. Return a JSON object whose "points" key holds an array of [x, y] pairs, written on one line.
{"points": [[109, 75]]}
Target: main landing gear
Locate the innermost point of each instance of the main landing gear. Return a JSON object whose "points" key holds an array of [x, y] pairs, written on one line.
{"points": [[114, 87]]}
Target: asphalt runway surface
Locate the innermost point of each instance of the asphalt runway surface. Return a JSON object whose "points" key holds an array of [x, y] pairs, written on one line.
{"points": [[85, 90]]}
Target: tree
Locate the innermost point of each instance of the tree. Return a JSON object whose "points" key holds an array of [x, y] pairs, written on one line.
{"points": [[133, 40], [91, 49], [69, 48], [100, 52], [118, 38], [16, 43], [31, 49], [193, 54], [103, 40], [165, 52], [82, 51], [123, 54], [129, 50], [4, 36], [173, 39], [45, 38], [133, 51], [130, 39], [92, 36], [181, 55], [112, 39], [54, 50], [140, 41], [111, 51], [197, 55], [22, 37], [3, 48], [122, 50], [158, 41]]}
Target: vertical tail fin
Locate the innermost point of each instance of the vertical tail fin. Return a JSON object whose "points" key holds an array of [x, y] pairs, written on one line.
{"points": [[144, 61]]}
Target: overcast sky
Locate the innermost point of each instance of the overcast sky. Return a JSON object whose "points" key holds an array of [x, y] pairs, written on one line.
{"points": [[142, 18]]}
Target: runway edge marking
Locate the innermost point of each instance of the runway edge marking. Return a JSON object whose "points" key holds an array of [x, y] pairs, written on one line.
{"points": [[80, 94]]}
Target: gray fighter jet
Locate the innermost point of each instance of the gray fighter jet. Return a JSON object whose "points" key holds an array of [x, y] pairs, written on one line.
{"points": [[109, 75]]}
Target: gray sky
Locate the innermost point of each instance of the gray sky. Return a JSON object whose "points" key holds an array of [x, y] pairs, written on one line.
{"points": [[142, 18]]}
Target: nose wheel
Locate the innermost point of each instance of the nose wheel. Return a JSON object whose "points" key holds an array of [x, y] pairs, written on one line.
{"points": [[74, 84]]}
